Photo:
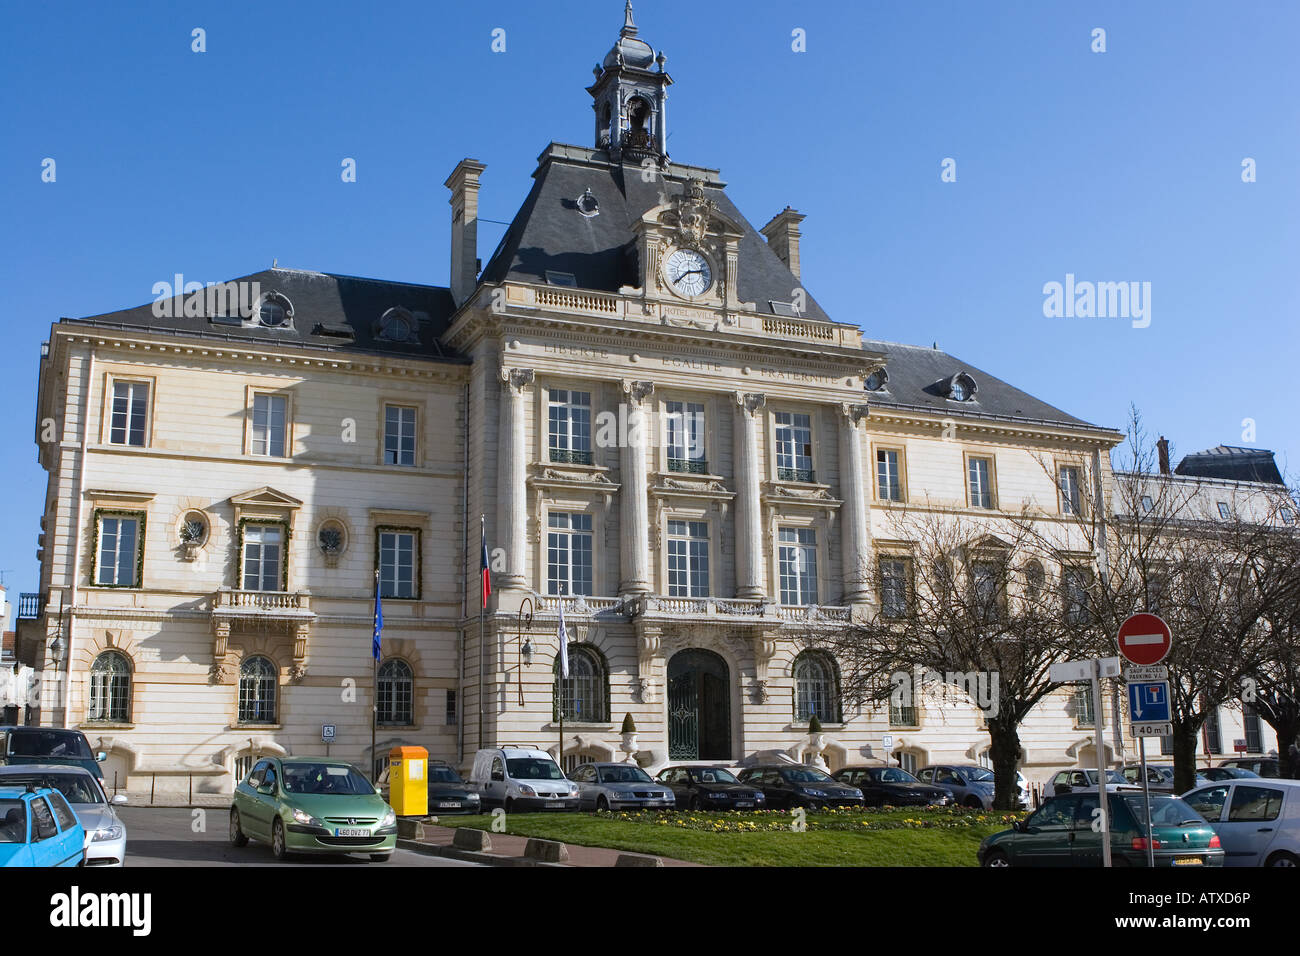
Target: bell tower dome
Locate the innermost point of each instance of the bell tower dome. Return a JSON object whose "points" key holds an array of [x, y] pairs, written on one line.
{"points": [[630, 98]]}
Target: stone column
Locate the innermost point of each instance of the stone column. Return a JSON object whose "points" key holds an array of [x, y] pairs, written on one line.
{"points": [[512, 475], [749, 523], [855, 533], [634, 532]]}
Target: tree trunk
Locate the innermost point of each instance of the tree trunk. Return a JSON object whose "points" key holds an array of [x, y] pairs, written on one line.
{"points": [[1004, 750], [1184, 755], [1287, 726]]}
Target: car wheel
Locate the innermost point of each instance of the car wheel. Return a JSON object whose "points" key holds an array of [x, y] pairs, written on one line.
{"points": [[973, 803], [1283, 859], [509, 805], [278, 848], [602, 804], [380, 857], [695, 804], [997, 858], [237, 837]]}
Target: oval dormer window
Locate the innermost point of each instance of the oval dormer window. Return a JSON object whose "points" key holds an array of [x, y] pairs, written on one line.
{"points": [[396, 325], [587, 204], [877, 380], [275, 311], [961, 388]]}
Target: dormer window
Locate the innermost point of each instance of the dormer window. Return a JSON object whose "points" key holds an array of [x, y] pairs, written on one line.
{"points": [[397, 325], [587, 204], [961, 388], [877, 380], [275, 311]]}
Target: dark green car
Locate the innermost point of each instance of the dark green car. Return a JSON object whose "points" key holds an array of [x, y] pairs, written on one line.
{"points": [[312, 805], [1060, 833]]}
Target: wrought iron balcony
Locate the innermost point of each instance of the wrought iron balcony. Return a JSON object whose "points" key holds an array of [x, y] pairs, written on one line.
{"points": [[795, 474], [30, 606], [564, 456], [690, 466]]}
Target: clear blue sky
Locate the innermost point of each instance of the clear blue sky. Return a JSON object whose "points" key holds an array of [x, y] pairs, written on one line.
{"points": [[1123, 165]]}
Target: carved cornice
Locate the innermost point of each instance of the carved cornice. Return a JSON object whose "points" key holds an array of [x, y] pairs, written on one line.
{"points": [[854, 414], [636, 391]]}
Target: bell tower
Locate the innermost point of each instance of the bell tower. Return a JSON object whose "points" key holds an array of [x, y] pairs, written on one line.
{"points": [[630, 98]]}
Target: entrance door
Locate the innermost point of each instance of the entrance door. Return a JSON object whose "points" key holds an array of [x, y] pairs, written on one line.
{"points": [[699, 707]]}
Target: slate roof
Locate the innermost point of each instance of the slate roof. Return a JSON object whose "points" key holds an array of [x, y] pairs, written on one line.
{"points": [[549, 233], [329, 311], [1232, 463], [918, 377]]}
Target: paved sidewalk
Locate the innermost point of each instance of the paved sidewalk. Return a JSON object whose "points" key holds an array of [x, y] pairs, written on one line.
{"points": [[508, 850]]}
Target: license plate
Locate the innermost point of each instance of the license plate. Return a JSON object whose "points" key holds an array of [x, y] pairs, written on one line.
{"points": [[449, 803], [555, 805], [351, 832], [1188, 861], [744, 803]]}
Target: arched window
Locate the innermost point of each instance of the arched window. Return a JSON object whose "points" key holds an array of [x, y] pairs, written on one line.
{"points": [[816, 687], [1034, 579], [584, 695], [396, 692], [110, 688], [257, 687]]}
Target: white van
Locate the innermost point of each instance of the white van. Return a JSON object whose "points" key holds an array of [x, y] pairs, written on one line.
{"points": [[521, 778]]}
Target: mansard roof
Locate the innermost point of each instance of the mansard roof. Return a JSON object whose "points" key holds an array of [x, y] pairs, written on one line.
{"points": [[335, 312], [549, 233], [1232, 463], [920, 377]]}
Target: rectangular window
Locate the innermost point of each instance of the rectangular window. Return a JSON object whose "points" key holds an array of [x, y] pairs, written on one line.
{"points": [[798, 566], [130, 413], [685, 437], [449, 711], [1083, 714], [986, 590], [1212, 737], [1069, 484], [269, 413], [1254, 735], [119, 551], [1147, 504], [569, 554], [688, 559], [1075, 583], [901, 715], [569, 418], [1224, 513], [979, 480], [889, 480], [399, 435], [895, 574], [399, 550], [263, 557], [1167, 745], [793, 447]]}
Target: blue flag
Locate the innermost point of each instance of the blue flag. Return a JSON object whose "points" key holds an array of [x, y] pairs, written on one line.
{"points": [[379, 621]]}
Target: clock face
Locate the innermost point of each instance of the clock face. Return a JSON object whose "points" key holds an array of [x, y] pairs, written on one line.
{"points": [[689, 272]]}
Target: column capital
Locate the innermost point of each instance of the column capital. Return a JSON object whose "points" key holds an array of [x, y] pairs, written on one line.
{"points": [[855, 414], [750, 402], [517, 378], [637, 391]]}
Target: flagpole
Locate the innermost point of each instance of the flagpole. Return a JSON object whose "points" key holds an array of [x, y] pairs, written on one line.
{"points": [[374, 689], [482, 606]]}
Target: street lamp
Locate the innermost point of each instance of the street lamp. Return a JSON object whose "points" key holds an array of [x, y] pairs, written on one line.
{"points": [[525, 646]]}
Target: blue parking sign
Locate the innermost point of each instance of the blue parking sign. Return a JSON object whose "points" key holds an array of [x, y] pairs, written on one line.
{"points": [[1148, 701]]}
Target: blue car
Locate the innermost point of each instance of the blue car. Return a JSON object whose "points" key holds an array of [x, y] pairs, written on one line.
{"points": [[39, 828]]}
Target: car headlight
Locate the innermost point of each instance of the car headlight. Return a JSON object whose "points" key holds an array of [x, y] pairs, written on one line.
{"points": [[526, 790], [108, 833], [472, 798], [390, 818], [303, 817]]}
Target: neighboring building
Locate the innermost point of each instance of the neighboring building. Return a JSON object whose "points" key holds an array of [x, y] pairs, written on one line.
{"points": [[224, 485]]}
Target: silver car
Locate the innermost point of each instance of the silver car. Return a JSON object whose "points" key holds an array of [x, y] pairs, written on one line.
{"points": [[1257, 820], [105, 832], [619, 786]]}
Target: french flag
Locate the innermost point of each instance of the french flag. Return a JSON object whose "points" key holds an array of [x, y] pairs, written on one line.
{"points": [[486, 589]]}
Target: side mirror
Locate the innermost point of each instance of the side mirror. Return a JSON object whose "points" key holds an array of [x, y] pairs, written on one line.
{"points": [[119, 799], [101, 756]]}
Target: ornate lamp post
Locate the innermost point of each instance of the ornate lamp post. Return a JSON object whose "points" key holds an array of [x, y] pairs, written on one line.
{"points": [[523, 645]]}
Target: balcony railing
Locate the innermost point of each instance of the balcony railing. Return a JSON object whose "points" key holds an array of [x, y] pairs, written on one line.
{"points": [[30, 606], [689, 466], [267, 603], [564, 456], [795, 474]]}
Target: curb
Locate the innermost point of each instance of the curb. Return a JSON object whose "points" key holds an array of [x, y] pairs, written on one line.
{"points": [[469, 856]]}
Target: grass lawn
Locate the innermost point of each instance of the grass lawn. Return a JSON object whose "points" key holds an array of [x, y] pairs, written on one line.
{"points": [[890, 837]]}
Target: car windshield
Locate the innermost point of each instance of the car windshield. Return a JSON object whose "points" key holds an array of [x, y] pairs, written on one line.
{"points": [[713, 775], [805, 775], [1165, 811], [444, 775], [623, 775], [976, 773], [13, 821], [1112, 776], [78, 788], [27, 742], [339, 779], [533, 768], [891, 775]]}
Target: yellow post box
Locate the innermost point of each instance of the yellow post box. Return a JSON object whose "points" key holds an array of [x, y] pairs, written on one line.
{"points": [[408, 781]]}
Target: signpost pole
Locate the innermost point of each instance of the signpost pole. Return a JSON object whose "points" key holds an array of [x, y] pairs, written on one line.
{"points": [[1103, 797], [1146, 799]]}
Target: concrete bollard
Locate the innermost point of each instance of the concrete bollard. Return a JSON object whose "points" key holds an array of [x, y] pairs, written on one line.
{"points": [[548, 851], [635, 859], [467, 838], [409, 828]]}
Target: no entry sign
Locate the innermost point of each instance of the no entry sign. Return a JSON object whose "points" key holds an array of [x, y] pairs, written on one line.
{"points": [[1144, 639]]}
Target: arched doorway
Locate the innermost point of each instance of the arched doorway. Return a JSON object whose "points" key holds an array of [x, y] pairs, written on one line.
{"points": [[699, 706]]}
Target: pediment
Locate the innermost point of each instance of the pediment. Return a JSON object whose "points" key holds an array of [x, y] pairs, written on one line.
{"points": [[265, 497]]}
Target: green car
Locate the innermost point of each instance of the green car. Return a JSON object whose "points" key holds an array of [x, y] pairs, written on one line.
{"points": [[1060, 833], [312, 805]]}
